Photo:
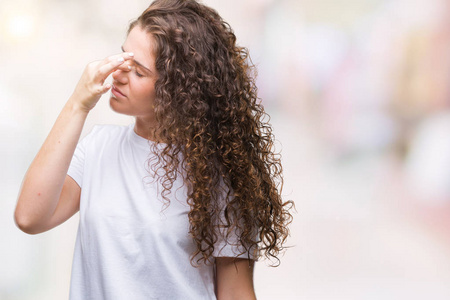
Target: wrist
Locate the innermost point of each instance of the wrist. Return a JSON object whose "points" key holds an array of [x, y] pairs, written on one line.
{"points": [[76, 107]]}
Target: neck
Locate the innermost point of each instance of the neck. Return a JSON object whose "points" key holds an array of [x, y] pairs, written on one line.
{"points": [[145, 128]]}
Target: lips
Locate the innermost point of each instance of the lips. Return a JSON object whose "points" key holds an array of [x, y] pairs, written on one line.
{"points": [[117, 92]]}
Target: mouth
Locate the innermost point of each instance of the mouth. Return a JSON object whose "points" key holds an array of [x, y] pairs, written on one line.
{"points": [[116, 92]]}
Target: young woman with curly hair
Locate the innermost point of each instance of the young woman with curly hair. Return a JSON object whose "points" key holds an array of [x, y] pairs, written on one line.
{"points": [[181, 203]]}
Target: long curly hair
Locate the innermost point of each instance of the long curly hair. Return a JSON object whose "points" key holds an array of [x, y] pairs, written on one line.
{"points": [[215, 130]]}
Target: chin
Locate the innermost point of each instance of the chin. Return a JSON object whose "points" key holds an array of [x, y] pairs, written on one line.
{"points": [[114, 104], [119, 107]]}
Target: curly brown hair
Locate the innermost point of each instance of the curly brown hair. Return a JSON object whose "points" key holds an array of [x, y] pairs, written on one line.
{"points": [[214, 129]]}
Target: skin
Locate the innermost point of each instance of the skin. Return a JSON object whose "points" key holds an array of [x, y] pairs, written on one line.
{"points": [[48, 196], [234, 279], [137, 85]]}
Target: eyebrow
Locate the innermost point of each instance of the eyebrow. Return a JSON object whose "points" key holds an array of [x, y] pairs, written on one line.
{"points": [[138, 63]]}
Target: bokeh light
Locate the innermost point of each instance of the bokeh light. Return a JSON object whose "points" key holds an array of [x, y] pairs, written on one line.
{"points": [[360, 103]]}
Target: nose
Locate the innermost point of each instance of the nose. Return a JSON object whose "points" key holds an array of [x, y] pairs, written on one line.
{"points": [[120, 76]]}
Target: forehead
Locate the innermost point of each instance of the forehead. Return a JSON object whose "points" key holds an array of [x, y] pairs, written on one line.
{"points": [[142, 44]]}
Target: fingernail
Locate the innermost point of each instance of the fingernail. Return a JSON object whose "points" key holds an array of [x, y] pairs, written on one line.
{"points": [[120, 59], [129, 67], [131, 54]]}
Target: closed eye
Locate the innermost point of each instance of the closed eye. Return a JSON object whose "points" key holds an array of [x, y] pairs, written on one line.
{"points": [[138, 74], [146, 70]]}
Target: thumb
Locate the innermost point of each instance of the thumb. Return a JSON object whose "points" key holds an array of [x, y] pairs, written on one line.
{"points": [[106, 87]]}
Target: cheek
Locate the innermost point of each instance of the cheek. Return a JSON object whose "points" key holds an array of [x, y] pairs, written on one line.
{"points": [[145, 97], [146, 90]]}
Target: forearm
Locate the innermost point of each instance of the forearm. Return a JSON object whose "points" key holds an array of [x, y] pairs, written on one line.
{"points": [[43, 182], [37, 208]]}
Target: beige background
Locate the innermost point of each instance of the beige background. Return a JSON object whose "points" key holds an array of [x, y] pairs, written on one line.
{"points": [[359, 97]]}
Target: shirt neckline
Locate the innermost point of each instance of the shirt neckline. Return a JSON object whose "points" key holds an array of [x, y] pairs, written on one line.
{"points": [[137, 139]]}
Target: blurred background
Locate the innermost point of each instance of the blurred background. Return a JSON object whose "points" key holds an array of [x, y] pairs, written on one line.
{"points": [[359, 95]]}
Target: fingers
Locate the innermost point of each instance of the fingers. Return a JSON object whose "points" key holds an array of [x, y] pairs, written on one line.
{"points": [[112, 63], [126, 66], [106, 88]]}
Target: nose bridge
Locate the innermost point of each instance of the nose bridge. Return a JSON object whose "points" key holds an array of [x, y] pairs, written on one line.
{"points": [[120, 76]]}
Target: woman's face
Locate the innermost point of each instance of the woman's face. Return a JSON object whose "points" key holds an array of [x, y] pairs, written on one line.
{"points": [[133, 91]]}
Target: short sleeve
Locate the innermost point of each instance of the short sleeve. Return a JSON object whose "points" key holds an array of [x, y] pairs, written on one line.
{"points": [[76, 167], [230, 245]]}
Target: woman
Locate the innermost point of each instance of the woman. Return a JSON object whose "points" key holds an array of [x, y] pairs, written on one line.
{"points": [[179, 204]]}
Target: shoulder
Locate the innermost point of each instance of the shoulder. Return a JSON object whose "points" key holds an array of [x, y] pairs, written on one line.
{"points": [[108, 129], [105, 133]]}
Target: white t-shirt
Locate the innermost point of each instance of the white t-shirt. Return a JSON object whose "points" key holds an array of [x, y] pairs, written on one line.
{"points": [[127, 247]]}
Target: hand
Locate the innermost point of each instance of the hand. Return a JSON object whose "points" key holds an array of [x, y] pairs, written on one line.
{"points": [[92, 83]]}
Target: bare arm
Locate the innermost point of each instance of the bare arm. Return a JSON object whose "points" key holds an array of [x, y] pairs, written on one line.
{"points": [[48, 197], [43, 183], [234, 279]]}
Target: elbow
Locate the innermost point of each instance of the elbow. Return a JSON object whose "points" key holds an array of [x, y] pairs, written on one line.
{"points": [[24, 223]]}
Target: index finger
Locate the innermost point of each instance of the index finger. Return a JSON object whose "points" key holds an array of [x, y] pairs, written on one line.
{"points": [[111, 63]]}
